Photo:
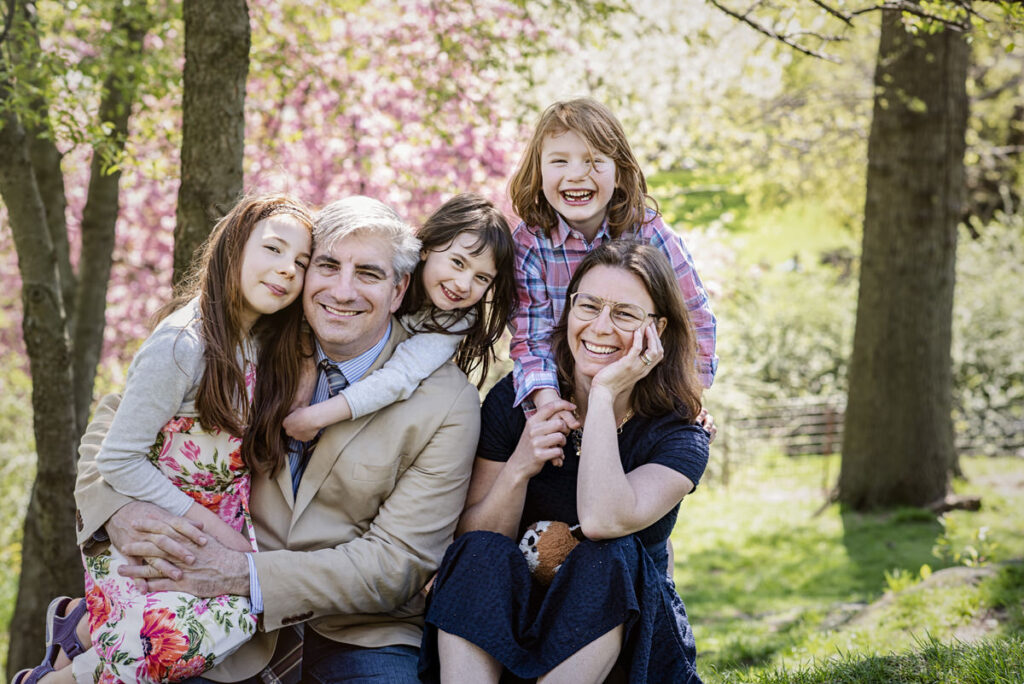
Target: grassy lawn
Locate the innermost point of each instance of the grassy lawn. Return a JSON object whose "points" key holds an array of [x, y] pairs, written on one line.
{"points": [[778, 583]]}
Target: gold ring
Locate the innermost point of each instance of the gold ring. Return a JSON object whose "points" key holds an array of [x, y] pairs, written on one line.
{"points": [[646, 359]]}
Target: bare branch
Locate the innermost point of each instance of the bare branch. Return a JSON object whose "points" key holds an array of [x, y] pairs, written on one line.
{"points": [[775, 35], [834, 12], [1000, 89], [914, 9]]}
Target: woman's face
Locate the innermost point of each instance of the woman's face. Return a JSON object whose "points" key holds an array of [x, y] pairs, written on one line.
{"points": [[599, 342]]}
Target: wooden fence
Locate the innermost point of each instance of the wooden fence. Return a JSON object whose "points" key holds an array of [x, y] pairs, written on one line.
{"points": [[816, 427], [798, 427]]}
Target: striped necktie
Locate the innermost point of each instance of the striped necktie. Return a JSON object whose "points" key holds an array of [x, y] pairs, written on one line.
{"points": [[336, 380]]}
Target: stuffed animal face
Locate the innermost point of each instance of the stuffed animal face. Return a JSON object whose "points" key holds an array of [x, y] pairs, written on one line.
{"points": [[545, 545]]}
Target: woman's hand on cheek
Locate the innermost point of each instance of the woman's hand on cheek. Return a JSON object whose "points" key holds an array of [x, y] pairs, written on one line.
{"points": [[643, 355], [542, 439]]}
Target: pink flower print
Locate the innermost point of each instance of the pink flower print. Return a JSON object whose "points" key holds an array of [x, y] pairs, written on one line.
{"points": [[201, 478], [165, 448], [107, 677], [200, 608], [190, 450], [177, 424], [183, 669], [230, 507]]}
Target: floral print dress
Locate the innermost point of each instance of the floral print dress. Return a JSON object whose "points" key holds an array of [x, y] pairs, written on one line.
{"points": [[169, 636]]}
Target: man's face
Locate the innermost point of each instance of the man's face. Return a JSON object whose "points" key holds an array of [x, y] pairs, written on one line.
{"points": [[350, 294]]}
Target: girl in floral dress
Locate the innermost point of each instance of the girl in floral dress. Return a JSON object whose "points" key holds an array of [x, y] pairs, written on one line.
{"points": [[191, 385]]}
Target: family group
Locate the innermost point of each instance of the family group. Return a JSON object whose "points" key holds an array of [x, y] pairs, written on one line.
{"points": [[299, 483]]}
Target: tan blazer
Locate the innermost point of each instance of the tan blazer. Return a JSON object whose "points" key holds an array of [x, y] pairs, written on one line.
{"points": [[375, 510]]}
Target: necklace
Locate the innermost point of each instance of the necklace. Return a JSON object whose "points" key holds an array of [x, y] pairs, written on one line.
{"points": [[577, 434]]}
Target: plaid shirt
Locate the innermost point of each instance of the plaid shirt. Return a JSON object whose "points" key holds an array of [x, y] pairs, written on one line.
{"points": [[544, 267]]}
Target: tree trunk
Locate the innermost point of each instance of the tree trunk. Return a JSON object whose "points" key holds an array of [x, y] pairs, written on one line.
{"points": [[898, 437], [102, 204], [217, 41], [50, 565]]}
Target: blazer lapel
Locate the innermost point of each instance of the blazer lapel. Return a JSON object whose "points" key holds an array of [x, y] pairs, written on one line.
{"points": [[325, 455], [284, 482]]}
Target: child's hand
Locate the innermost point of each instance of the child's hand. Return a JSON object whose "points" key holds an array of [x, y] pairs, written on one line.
{"points": [[300, 425], [707, 421], [546, 395], [541, 440], [307, 384]]}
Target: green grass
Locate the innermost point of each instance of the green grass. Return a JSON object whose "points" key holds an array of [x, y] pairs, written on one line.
{"points": [[773, 577], [989, 662]]}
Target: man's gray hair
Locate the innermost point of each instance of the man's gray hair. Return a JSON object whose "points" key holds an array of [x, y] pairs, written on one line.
{"points": [[360, 214]]}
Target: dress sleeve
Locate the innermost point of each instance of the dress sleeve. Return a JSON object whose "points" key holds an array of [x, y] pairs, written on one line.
{"points": [[681, 447], [413, 361], [533, 321], [694, 296], [161, 377]]}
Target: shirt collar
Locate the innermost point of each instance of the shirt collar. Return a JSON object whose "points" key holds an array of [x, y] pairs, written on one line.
{"points": [[355, 368], [562, 232]]}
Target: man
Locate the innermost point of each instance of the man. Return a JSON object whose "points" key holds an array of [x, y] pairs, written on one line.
{"points": [[349, 537]]}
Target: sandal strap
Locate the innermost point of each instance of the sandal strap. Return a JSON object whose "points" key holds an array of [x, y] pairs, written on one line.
{"points": [[65, 631], [32, 676]]}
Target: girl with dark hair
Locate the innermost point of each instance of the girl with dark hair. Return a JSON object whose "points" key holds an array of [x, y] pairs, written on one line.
{"points": [[190, 386], [624, 349], [459, 300]]}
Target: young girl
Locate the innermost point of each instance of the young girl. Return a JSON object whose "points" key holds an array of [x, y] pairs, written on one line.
{"points": [[459, 301], [577, 186], [190, 385]]}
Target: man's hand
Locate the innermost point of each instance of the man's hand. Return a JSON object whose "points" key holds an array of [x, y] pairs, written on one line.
{"points": [[167, 542], [215, 570]]}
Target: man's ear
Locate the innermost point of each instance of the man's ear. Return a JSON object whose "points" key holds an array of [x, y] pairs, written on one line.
{"points": [[400, 287]]}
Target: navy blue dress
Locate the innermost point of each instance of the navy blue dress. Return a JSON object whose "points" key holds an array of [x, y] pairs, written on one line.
{"points": [[484, 591]]}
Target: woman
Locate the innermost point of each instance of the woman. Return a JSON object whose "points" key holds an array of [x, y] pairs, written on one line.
{"points": [[625, 354]]}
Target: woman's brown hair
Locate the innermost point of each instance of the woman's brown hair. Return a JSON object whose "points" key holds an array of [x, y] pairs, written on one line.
{"points": [[469, 213], [672, 385], [603, 134], [216, 279]]}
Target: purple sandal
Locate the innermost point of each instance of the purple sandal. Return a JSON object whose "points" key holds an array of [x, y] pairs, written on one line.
{"points": [[60, 635], [60, 629]]}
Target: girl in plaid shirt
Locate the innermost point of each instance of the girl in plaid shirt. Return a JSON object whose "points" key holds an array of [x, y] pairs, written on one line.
{"points": [[577, 186]]}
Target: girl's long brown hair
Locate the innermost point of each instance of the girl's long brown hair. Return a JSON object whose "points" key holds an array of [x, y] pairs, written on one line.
{"points": [[603, 133], [470, 213], [672, 385], [221, 396]]}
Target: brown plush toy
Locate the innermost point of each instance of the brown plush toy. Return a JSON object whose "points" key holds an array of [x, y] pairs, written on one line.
{"points": [[545, 544]]}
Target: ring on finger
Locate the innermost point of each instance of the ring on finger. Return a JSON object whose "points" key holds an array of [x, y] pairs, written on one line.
{"points": [[645, 358]]}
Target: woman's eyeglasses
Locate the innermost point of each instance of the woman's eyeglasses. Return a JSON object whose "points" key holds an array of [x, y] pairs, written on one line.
{"points": [[625, 317]]}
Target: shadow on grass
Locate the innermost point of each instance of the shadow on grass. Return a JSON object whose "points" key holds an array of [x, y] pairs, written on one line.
{"points": [[877, 542], [765, 593]]}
